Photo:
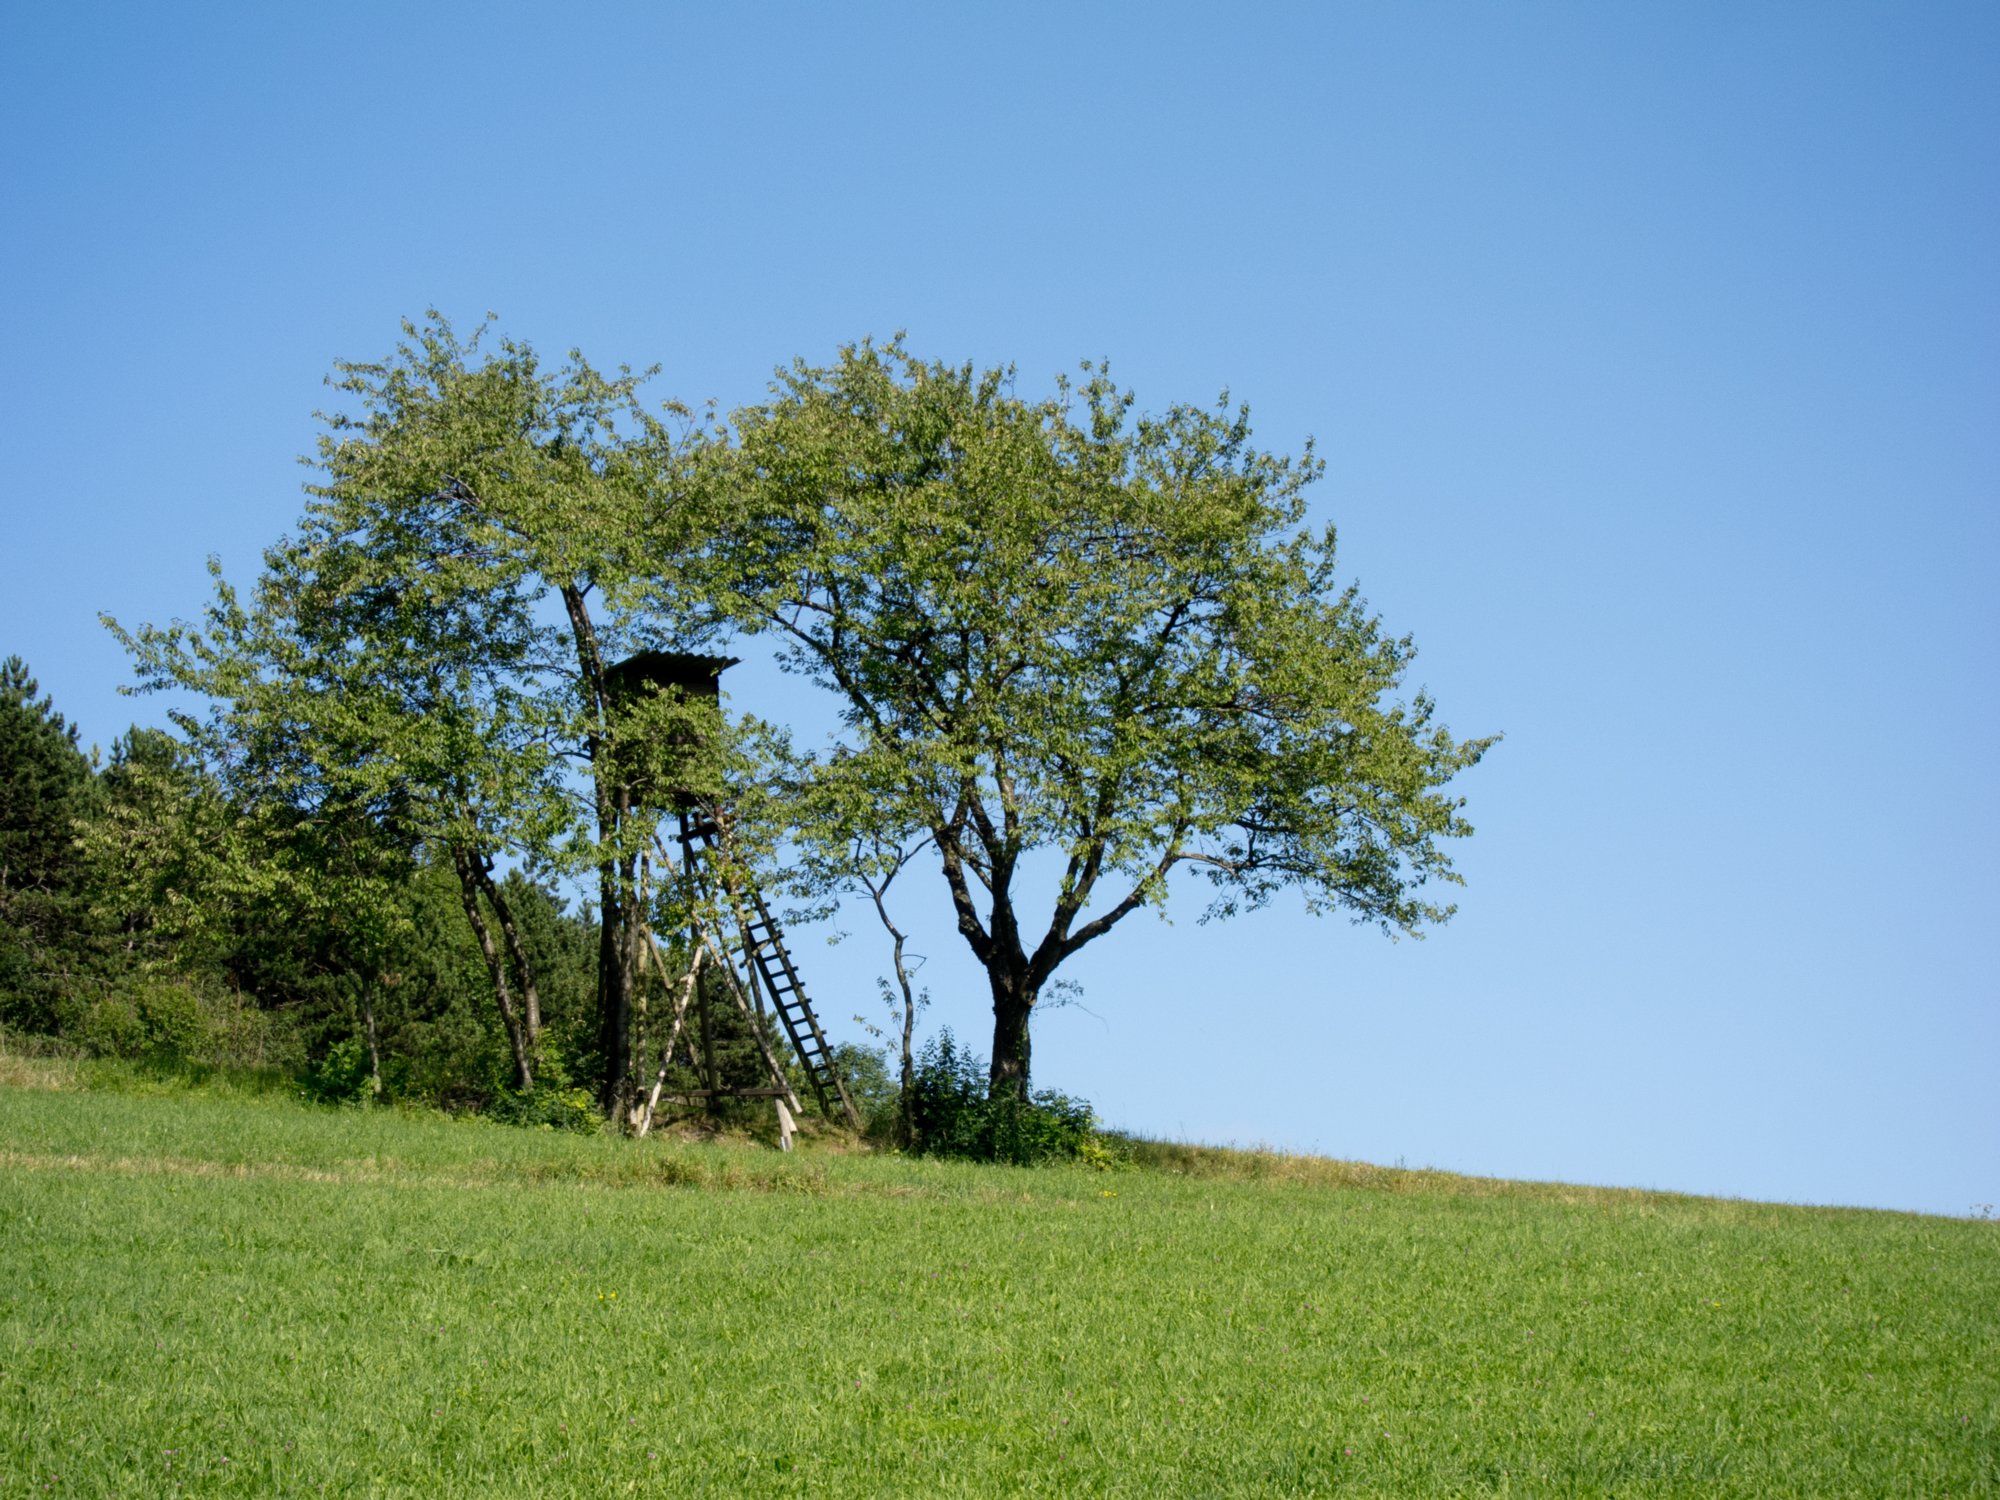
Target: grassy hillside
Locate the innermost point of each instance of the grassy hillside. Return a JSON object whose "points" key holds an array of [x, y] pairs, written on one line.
{"points": [[216, 1295]]}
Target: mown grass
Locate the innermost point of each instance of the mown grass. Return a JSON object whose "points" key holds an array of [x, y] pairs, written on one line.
{"points": [[216, 1293]]}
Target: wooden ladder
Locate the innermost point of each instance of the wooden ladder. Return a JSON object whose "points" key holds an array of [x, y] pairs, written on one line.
{"points": [[762, 945]]}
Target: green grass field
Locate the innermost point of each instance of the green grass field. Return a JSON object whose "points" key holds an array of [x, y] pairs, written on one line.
{"points": [[217, 1294]]}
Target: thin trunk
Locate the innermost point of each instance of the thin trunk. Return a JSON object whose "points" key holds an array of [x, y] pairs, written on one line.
{"points": [[626, 937], [749, 947], [906, 1119], [524, 970], [468, 890], [640, 1036], [709, 1078], [614, 997], [907, 1093], [906, 1106], [374, 1045]]}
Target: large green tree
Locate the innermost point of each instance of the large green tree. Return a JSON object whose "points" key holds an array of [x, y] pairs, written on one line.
{"points": [[561, 482], [430, 653], [1081, 650]]}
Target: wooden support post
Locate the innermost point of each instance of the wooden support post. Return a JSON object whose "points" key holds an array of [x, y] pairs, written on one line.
{"points": [[644, 1121], [710, 1075], [785, 1126]]}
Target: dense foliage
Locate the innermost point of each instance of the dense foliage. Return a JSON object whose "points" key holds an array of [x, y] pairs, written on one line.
{"points": [[1080, 654], [149, 914]]}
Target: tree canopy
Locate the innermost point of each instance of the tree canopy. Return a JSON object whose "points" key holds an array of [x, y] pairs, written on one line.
{"points": [[1062, 630], [1082, 653]]}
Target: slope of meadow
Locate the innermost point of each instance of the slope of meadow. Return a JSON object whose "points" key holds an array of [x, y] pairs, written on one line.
{"points": [[217, 1294]]}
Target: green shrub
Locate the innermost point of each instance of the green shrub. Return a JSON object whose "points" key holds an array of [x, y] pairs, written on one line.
{"points": [[168, 1020], [342, 1076], [113, 1027], [955, 1115], [554, 1104], [551, 1108]]}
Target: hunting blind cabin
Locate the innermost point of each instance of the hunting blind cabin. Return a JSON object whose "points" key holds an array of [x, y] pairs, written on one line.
{"points": [[734, 949]]}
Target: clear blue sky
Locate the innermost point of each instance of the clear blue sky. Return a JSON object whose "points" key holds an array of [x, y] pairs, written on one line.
{"points": [[1653, 349]]}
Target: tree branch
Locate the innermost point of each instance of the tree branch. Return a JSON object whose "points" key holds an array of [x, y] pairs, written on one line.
{"points": [[1044, 965]]}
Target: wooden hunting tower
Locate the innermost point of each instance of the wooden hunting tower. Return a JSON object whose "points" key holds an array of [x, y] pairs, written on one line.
{"points": [[693, 679], [738, 934]]}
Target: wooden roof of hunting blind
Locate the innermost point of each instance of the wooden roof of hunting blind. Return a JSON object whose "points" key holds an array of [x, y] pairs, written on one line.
{"points": [[650, 671]]}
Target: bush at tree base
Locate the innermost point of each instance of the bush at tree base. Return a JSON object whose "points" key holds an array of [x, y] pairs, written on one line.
{"points": [[955, 1115]]}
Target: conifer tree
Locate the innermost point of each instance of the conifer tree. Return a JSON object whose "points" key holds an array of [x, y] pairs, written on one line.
{"points": [[46, 788]]}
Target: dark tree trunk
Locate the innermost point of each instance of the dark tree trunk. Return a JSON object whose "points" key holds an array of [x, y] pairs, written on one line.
{"points": [[614, 995], [1013, 1003], [710, 1079], [624, 1083], [618, 914]]}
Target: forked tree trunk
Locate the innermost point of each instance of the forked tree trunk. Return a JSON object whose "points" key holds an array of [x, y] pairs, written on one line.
{"points": [[524, 968], [496, 968]]}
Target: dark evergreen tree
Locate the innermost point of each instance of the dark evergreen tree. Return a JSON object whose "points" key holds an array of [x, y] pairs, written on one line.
{"points": [[46, 786]]}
